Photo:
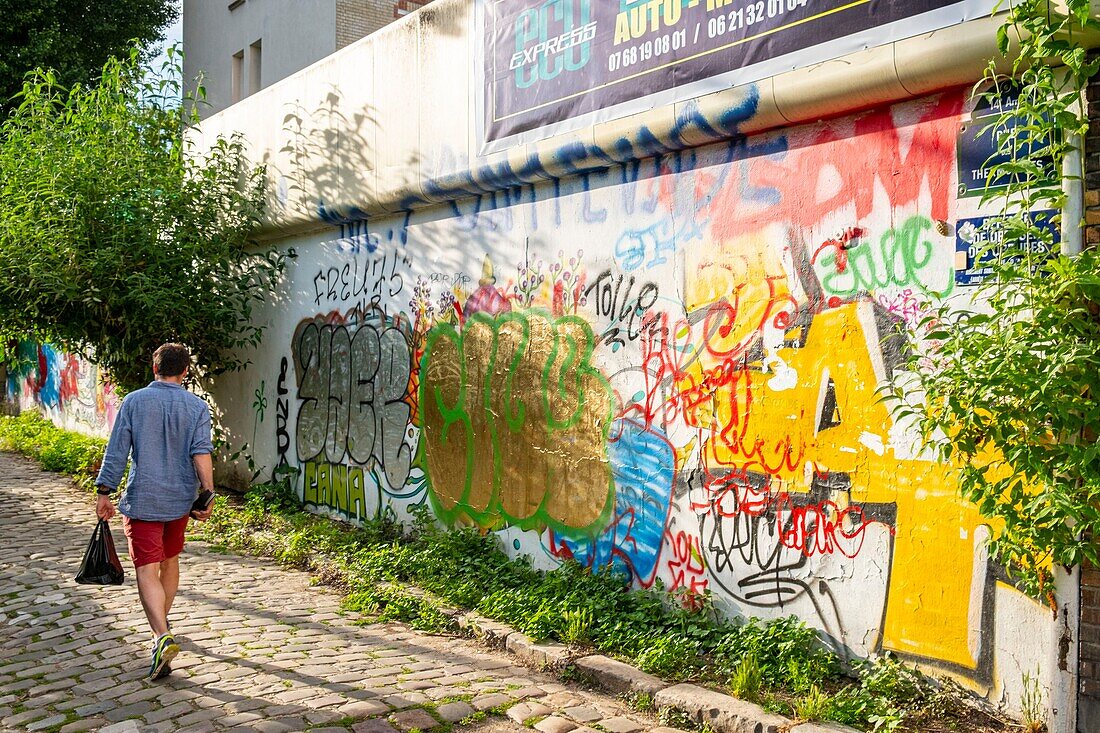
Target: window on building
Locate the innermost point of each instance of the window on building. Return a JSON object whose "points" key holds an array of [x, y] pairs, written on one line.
{"points": [[255, 63], [237, 76]]}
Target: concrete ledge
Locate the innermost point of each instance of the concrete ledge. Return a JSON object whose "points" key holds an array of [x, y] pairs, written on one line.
{"points": [[491, 632], [722, 713], [539, 655], [410, 138], [619, 677]]}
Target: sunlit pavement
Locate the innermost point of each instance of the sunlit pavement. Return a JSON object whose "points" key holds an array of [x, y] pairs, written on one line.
{"points": [[262, 650]]}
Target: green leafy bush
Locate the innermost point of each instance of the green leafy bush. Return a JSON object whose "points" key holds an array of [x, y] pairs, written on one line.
{"points": [[57, 450], [670, 656], [789, 653], [115, 237], [1008, 390]]}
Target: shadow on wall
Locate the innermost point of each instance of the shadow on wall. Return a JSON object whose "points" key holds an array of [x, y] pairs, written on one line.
{"points": [[328, 153]]}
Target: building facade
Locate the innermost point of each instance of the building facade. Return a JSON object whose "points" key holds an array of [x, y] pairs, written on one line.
{"points": [[238, 47]]}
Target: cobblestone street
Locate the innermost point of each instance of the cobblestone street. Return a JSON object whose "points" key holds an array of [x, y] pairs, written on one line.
{"points": [[262, 650]]}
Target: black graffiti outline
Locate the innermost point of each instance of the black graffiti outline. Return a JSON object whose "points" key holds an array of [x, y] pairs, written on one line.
{"points": [[607, 304], [346, 409]]}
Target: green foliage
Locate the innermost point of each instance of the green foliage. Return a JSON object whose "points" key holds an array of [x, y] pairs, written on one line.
{"points": [[670, 656], [387, 603], [73, 37], [577, 626], [379, 563], [814, 705], [57, 450], [887, 695], [747, 679], [1008, 390], [640, 701], [787, 651], [113, 239], [468, 569]]}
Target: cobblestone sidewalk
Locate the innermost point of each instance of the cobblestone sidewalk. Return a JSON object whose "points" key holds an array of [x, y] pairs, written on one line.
{"points": [[262, 650]]}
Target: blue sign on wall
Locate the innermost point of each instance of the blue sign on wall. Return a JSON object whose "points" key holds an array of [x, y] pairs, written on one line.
{"points": [[978, 153], [979, 240]]}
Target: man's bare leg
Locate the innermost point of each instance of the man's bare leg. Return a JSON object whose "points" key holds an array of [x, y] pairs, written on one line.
{"points": [[152, 596], [170, 582]]}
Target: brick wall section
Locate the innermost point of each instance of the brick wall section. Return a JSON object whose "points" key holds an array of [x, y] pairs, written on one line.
{"points": [[358, 18], [1088, 661], [404, 7], [1089, 655], [1092, 166]]}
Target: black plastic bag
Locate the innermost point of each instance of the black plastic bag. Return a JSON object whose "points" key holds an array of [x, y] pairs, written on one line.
{"points": [[101, 565]]}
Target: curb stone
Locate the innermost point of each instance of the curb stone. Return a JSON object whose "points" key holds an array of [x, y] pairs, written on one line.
{"points": [[552, 656], [494, 633], [619, 677], [722, 713]]}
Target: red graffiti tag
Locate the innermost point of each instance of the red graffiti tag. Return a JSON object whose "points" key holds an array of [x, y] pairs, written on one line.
{"points": [[864, 153]]}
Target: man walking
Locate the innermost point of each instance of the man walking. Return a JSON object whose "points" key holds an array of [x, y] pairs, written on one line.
{"points": [[165, 432]]}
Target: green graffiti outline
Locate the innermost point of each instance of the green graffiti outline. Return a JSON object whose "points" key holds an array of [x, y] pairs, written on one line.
{"points": [[865, 273], [514, 416]]}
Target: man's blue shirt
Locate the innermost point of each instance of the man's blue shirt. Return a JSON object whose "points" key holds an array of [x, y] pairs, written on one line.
{"points": [[159, 427]]}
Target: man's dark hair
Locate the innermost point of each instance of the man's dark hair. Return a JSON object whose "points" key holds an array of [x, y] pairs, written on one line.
{"points": [[169, 360]]}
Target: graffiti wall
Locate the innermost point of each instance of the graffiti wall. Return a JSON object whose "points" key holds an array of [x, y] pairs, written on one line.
{"points": [[669, 367], [64, 387]]}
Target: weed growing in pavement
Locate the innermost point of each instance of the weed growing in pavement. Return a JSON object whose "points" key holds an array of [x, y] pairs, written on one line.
{"points": [[472, 718], [675, 718], [640, 701]]}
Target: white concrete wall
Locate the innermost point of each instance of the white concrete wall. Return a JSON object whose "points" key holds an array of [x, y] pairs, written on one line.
{"points": [[669, 364]]}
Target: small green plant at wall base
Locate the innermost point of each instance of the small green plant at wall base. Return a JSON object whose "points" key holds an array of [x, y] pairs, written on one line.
{"points": [[578, 622], [814, 705], [669, 656], [1032, 704], [747, 679]]}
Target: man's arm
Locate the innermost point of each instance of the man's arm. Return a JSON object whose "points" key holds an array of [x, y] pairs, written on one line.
{"points": [[204, 469], [114, 463]]}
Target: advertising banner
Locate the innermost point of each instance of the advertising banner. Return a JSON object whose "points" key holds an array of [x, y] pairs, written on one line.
{"points": [[551, 66]]}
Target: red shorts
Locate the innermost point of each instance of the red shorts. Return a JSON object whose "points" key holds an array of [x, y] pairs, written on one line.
{"points": [[153, 542]]}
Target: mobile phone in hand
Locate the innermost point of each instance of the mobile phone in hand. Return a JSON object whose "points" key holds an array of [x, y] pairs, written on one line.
{"points": [[203, 502]]}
